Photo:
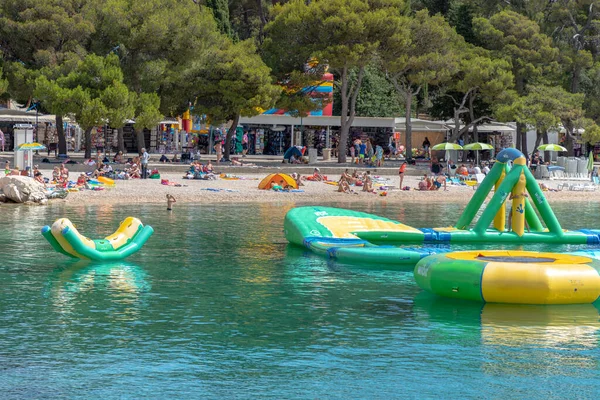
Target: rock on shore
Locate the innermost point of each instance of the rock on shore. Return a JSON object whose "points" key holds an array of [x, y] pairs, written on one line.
{"points": [[22, 189]]}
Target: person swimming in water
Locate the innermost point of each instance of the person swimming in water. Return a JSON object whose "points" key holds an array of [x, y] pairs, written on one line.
{"points": [[170, 201]]}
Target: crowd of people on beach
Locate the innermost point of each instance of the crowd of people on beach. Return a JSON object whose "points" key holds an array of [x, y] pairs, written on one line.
{"points": [[198, 170], [364, 153]]}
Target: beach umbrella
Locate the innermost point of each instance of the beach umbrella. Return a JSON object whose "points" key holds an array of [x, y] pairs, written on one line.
{"points": [[447, 146], [590, 163], [31, 146], [551, 147], [478, 146]]}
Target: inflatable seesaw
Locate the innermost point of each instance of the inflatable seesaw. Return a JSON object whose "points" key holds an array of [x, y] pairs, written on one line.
{"points": [[358, 237], [128, 239]]}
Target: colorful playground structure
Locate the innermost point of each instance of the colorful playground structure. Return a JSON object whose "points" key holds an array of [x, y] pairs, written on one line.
{"points": [[128, 239], [360, 237]]}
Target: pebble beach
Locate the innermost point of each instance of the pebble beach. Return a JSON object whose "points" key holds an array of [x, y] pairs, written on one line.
{"points": [[245, 189]]}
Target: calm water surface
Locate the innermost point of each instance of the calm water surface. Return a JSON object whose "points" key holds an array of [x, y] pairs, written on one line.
{"points": [[217, 305]]}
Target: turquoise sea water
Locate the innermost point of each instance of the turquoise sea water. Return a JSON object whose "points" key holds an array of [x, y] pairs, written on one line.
{"points": [[217, 305]]}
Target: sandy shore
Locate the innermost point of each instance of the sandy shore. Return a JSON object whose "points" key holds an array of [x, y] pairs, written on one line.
{"points": [[246, 190]]}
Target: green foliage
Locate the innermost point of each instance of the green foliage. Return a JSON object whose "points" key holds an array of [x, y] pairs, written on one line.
{"points": [[249, 17], [591, 132], [44, 33], [220, 10], [547, 107], [377, 97], [344, 34], [295, 96], [591, 87], [232, 81], [147, 113], [483, 75], [433, 6], [341, 33], [157, 41], [3, 82], [518, 39], [460, 17], [50, 35], [421, 51], [94, 93]]}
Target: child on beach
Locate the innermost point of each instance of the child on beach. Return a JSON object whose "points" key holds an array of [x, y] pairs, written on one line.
{"points": [[368, 183], [170, 201]]}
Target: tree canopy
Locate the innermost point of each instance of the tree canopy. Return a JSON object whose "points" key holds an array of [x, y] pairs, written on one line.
{"points": [[476, 59]]}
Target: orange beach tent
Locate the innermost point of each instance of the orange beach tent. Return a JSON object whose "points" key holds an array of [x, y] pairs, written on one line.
{"points": [[279, 179]]}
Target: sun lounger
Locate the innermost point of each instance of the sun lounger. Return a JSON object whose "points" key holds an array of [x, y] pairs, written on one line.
{"points": [[475, 180]]}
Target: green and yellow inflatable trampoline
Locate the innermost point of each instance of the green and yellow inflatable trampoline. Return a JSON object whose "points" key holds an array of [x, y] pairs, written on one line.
{"points": [[521, 277]]}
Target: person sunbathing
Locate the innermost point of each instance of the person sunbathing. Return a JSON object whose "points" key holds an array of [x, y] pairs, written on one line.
{"points": [[424, 184], [64, 172], [118, 158], [235, 161], [134, 172], [209, 168], [39, 177], [367, 183], [462, 172], [99, 171], [317, 175], [343, 186], [82, 180], [296, 176], [349, 179], [438, 182], [56, 175], [276, 187]]}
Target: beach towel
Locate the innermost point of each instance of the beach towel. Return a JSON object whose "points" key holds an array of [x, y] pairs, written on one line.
{"points": [[169, 183], [220, 190]]}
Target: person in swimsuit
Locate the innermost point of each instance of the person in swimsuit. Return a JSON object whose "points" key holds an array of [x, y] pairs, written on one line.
{"points": [[401, 173], [170, 201]]}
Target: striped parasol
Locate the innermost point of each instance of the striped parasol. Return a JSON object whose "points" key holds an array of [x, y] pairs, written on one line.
{"points": [[31, 146]]}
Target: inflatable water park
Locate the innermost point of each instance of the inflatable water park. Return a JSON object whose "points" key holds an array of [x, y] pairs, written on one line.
{"points": [[125, 241], [500, 276]]}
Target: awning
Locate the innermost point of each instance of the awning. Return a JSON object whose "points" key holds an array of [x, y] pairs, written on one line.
{"points": [[7, 115], [484, 128]]}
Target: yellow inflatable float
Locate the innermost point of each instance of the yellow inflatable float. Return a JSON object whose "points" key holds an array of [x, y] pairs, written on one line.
{"points": [[522, 277], [66, 239]]}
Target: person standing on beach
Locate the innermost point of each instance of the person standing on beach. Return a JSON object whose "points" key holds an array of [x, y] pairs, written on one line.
{"points": [[144, 162], [219, 149], [244, 144], [401, 173], [362, 153], [2, 140], [170, 201]]}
